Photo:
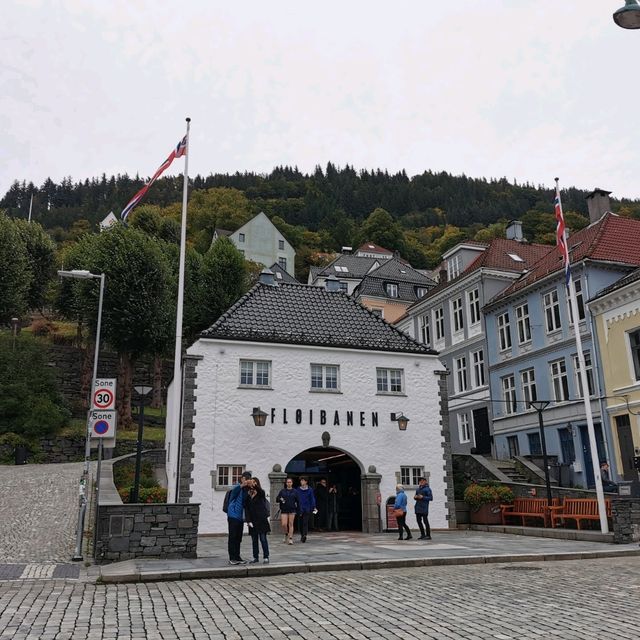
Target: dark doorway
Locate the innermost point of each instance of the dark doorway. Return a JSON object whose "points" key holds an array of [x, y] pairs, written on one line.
{"points": [[481, 431], [338, 468], [586, 453], [625, 441]]}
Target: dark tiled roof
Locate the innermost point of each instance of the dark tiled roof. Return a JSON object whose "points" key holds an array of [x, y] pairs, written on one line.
{"points": [[396, 272], [612, 239], [634, 276], [284, 275], [223, 232], [497, 256], [356, 267], [309, 315]]}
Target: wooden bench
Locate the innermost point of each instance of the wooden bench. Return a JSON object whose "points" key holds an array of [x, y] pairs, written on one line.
{"points": [[527, 508], [578, 509]]}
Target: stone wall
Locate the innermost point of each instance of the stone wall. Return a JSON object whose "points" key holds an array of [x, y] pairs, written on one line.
{"points": [[626, 520], [130, 531]]}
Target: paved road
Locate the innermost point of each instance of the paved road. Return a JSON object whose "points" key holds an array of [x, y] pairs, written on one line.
{"points": [[575, 600], [38, 511]]}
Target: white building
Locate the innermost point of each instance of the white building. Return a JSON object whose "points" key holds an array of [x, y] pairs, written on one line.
{"points": [[332, 379]]}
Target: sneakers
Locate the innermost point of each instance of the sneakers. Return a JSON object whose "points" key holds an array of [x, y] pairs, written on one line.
{"points": [[238, 561], [265, 561], [254, 561], [427, 537], [290, 540], [423, 537], [303, 539], [409, 538]]}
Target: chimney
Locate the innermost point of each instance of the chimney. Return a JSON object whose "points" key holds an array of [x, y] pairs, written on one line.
{"points": [[332, 284], [266, 277], [598, 203], [442, 275], [514, 231]]}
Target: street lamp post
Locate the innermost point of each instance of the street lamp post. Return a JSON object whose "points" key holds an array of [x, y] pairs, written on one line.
{"points": [[540, 406], [82, 274], [142, 392], [628, 17]]}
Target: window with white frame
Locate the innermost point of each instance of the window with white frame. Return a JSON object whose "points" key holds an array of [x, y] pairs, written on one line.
{"points": [[229, 474], [529, 392], [524, 325], [588, 367], [473, 297], [454, 266], [458, 315], [579, 301], [425, 329], [477, 358], [282, 262], [389, 380], [464, 432], [439, 321], [421, 292], [324, 377], [504, 331], [559, 380], [551, 311], [410, 476], [461, 374], [634, 348], [280, 245], [392, 290], [255, 373], [509, 394]]}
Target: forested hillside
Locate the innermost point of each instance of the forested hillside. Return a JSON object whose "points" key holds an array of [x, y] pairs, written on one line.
{"points": [[319, 212]]}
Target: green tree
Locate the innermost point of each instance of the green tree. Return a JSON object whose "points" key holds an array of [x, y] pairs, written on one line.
{"points": [[224, 279], [381, 229], [15, 272]]}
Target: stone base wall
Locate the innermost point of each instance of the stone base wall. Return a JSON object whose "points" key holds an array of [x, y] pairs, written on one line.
{"points": [[130, 531], [626, 520]]}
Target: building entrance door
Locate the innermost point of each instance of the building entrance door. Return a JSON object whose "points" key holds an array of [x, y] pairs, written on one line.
{"points": [[337, 468], [625, 441], [481, 431]]}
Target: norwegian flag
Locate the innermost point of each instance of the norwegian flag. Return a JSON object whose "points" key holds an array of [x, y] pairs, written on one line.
{"points": [[178, 152], [561, 236]]}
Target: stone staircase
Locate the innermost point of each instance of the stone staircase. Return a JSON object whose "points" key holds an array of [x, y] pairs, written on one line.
{"points": [[508, 467]]}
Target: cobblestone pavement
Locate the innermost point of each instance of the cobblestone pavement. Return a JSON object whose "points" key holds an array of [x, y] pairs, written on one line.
{"points": [[38, 512], [572, 600]]}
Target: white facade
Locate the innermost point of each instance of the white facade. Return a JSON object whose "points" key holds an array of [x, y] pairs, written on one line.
{"points": [[224, 432]]}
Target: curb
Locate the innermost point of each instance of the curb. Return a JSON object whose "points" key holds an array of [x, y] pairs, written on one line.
{"points": [[355, 565]]}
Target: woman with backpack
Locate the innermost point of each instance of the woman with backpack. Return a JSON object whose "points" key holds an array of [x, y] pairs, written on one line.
{"points": [[287, 499], [258, 511]]}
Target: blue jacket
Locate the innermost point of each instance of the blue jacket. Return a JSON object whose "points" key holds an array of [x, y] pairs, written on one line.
{"points": [[401, 501], [422, 506], [236, 503], [306, 500]]}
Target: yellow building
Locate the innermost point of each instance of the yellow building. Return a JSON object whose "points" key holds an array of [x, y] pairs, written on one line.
{"points": [[616, 314]]}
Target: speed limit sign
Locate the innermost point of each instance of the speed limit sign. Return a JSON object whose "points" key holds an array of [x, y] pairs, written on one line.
{"points": [[103, 396]]}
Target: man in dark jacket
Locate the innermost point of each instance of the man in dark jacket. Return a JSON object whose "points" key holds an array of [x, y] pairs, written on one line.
{"points": [[235, 518], [423, 497], [306, 506]]}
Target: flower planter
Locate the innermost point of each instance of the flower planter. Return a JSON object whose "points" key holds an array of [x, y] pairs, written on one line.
{"points": [[488, 513]]}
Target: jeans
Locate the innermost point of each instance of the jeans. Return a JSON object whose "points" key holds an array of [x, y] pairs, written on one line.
{"points": [[426, 529], [402, 524], [333, 521], [304, 523], [255, 536], [235, 538]]}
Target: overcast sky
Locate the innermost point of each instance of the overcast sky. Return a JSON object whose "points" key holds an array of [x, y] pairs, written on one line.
{"points": [[525, 89]]}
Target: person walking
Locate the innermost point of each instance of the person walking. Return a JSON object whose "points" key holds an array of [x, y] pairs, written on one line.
{"points": [[306, 506], [322, 498], [401, 505], [235, 517], [288, 501], [423, 497], [258, 511], [332, 508]]}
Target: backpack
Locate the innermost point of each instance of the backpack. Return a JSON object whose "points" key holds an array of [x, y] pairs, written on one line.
{"points": [[225, 503]]}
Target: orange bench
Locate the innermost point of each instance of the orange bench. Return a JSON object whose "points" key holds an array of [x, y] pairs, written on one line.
{"points": [[578, 509], [527, 508]]}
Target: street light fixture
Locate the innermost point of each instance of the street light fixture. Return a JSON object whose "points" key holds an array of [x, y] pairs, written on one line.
{"points": [[628, 17], [540, 406], [83, 274]]}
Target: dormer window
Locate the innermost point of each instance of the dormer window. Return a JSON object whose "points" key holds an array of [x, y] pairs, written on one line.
{"points": [[454, 266], [421, 292], [392, 290]]}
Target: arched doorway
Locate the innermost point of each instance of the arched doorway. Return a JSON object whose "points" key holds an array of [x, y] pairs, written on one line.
{"points": [[339, 469]]}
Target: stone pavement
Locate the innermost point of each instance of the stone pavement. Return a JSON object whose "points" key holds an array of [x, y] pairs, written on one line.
{"points": [[586, 600], [349, 551], [38, 512]]}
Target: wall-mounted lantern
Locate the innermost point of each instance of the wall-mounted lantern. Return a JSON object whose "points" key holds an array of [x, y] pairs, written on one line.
{"points": [[259, 417], [401, 419]]}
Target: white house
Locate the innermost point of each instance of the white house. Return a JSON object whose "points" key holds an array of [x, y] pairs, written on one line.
{"points": [[330, 379]]}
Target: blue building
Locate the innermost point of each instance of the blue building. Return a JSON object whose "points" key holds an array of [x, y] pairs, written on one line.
{"points": [[531, 347]]}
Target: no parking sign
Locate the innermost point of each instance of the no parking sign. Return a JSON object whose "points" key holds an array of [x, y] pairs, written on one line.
{"points": [[102, 424]]}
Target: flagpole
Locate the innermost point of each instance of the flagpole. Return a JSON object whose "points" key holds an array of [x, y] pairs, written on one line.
{"points": [[30, 207], [593, 446], [177, 360]]}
